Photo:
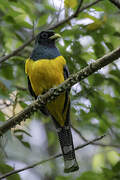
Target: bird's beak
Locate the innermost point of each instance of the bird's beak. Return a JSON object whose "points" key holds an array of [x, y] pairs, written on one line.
{"points": [[55, 36]]}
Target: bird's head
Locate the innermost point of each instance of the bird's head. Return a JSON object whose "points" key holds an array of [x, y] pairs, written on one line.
{"points": [[47, 37]]}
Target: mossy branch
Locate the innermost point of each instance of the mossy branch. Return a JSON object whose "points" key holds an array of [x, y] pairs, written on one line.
{"points": [[53, 93]]}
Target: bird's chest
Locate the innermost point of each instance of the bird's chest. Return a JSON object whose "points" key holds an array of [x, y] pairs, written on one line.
{"points": [[45, 74]]}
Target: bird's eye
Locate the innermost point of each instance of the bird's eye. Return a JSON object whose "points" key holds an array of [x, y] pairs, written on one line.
{"points": [[44, 35]]}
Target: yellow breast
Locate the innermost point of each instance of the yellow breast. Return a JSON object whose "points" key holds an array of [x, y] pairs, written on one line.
{"points": [[45, 74]]}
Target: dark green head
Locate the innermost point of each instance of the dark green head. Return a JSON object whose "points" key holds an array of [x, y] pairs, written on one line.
{"points": [[47, 38], [45, 46]]}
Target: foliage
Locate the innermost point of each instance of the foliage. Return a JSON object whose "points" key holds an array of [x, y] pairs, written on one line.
{"points": [[95, 101], [112, 173], [4, 168]]}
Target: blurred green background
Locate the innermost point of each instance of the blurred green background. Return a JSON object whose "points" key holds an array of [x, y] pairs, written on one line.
{"points": [[95, 107]]}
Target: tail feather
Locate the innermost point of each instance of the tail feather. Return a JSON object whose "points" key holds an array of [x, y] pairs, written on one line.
{"points": [[66, 142]]}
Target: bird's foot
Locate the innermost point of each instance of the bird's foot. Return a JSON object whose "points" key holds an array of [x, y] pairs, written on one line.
{"points": [[41, 99], [52, 90]]}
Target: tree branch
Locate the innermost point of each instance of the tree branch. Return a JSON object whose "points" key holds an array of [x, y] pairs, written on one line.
{"points": [[79, 10], [53, 93], [94, 143], [15, 52], [116, 3], [51, 158]]}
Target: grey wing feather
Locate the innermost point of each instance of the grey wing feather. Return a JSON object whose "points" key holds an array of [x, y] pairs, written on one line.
{"points": [[66, 75]]}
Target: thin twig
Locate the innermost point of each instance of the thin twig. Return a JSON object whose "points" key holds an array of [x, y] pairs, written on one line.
{"points": [[46, 160], [4, 58], [79, 133], [78, 9], [74, 15], [117, 136], [93, 143], [53, 93], [15, 52]]}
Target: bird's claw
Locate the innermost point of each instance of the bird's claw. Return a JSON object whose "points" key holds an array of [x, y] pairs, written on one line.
{"points": [[52, 90], [40, 98]]}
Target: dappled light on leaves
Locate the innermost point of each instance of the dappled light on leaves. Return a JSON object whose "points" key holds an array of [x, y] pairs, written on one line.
{"points": [[95, 107]]}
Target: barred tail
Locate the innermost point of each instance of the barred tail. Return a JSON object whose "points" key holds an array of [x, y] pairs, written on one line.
{"points": [[66, 142]]}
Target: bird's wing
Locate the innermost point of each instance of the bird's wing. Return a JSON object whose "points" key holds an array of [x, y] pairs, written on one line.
{"points": [[30, 88], [42, 109], [66, 72], [67, 99]]}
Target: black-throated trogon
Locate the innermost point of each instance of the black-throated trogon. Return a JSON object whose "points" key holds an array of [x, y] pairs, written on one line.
{"points": [[46, 69]]}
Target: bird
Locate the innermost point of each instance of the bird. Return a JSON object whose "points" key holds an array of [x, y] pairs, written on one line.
{"points": [[46, 68]]}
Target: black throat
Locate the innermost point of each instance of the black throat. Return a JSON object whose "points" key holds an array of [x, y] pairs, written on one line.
{"points": [[44, 51]]}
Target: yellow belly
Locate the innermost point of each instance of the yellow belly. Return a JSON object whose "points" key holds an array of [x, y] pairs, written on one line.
{"points": [[45, 74]]}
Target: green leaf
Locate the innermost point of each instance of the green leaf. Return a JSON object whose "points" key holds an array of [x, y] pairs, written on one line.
{"points": [[110, 46], [14, 13], [115, 73], [96, 79], [22, 131], [2, 116], [7, 72], [25, 24], [24, 143], [9, 19], [42, 20], [22, 104], [64, 178], [98, 104], [5, 168], [108, 173], [91, 176], [116, 168], [4, 91], [99, 49], [19, 137], [52, 138]]}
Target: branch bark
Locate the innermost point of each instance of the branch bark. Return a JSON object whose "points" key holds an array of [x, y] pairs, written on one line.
{"points": [[79, 10], [53, 93], [46, 160], [15, 52]]}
